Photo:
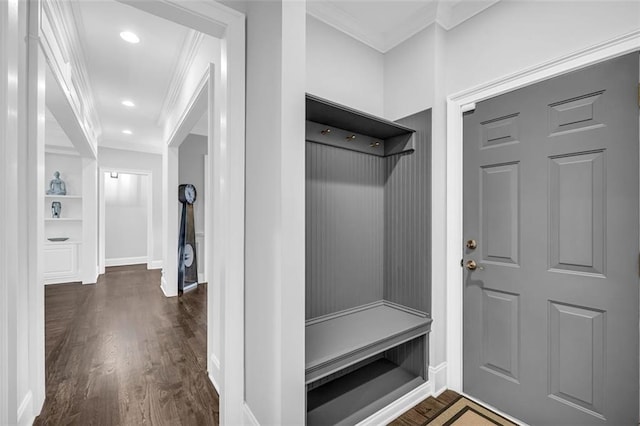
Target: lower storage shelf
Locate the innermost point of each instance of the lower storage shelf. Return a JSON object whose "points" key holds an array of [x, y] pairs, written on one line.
{"points": [[360, 393]]}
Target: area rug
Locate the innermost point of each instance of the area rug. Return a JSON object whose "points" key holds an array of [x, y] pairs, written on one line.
{"points": [[464, 412]]}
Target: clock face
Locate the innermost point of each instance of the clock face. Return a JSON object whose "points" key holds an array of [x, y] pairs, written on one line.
{"points": [[190, 193]]}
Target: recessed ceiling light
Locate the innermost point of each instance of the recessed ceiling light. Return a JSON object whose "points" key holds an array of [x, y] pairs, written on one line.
{"points": [[130, 37], [127, 132], [128, 103]]}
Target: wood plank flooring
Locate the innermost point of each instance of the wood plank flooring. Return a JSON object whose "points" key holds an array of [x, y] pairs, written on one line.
{"points": [[426, 410], [120, 353]]}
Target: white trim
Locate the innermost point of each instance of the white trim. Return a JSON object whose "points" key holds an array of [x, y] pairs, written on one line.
{"points": [[163, 285], [188, 54], [249, 418], [600, 52], [191, 113], [154, 264], [438, 377], [25, 411], [61, 150], [399, 406], [214, 383], [120, 261]]}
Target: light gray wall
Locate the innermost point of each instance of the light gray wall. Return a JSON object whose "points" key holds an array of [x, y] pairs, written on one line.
{"points": [[191, 170], [129, 160], [344, 229], [343, 69], [125, 216]]}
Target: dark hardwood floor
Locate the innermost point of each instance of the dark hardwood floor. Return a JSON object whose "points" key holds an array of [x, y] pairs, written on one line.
{"points": [[120, 353]]}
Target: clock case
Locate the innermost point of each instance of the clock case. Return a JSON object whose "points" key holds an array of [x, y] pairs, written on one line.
{"points": [[187, 259]]}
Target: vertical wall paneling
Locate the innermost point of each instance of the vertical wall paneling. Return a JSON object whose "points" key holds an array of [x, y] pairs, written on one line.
{"points": [[368, 229], [411, 355], [344, 223], [407, 220]]}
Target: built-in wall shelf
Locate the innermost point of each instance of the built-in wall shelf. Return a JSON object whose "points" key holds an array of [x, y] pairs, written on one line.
{"points": [[74, 197], [336, 125], [57, 243], [336, 341]]}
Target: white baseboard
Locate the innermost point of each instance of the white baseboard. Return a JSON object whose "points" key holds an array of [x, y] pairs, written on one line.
{"points": [[25, 411], [438, 377], [201, 277], [93, 277], [163, 285], [214, 382], [399, 406], [249, 418], [120, 261], [154, 264]]}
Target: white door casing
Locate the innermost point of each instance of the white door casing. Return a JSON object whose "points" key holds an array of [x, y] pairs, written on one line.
{"points": [[457, 104]]}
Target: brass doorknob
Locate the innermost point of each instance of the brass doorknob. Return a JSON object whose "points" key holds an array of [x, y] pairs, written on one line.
{"points": [[471, 265], [472, 244]]}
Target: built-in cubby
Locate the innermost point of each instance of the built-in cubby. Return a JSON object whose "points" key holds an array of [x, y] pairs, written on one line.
{"points": [[63, 234], [367, 260]]}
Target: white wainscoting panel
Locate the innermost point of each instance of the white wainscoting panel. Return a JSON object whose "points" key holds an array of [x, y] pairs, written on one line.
{"points": [[60, 263]]}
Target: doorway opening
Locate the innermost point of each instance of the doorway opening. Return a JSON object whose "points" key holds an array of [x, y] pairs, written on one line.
{"points": [[226, 28], [126, 218]]}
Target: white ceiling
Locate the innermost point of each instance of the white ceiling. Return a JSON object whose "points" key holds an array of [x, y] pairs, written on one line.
{"points": [[119, 70], [383, 24], [143, 72]]}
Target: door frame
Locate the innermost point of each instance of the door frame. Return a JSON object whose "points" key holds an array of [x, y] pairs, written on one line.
{"points": [[227, 183], [102, 234], [459, 103]]}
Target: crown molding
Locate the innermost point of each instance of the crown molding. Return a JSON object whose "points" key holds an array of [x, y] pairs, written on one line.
{"points": [[335, 16], [447, 14], [188, 54], [66, 57], [450, 15], [131, 146]]}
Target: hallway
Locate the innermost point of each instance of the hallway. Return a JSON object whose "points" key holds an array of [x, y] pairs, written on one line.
{"points": [[119, 352]]}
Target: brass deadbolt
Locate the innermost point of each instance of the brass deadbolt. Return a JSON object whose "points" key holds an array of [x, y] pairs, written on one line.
{"points": [[472, 244]]}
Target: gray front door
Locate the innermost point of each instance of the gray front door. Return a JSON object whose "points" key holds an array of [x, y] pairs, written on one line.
{"points": [[551, 199]]}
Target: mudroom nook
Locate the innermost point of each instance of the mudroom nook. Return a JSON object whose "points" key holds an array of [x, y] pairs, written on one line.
{"points": [[367, 277]]}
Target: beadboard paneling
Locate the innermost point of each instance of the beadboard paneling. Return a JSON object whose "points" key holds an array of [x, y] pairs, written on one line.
{"points": [[407, 211], [344, 223], [413, 356]]}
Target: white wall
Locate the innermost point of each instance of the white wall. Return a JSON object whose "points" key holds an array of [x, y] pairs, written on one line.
{"points": [[191, 170], [125, 200], [127, 160], [512, 36], [274, 250], [409, 75], [507, 37], [342, 69]]}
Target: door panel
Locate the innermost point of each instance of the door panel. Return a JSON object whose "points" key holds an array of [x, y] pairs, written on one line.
{"points": [[551, 196]]}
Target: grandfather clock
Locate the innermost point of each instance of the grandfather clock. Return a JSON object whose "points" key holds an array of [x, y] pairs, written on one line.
{"points": [[187, 264]]}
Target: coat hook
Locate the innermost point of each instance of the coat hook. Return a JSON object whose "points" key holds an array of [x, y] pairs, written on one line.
{"points": [[351, 138], [326, 131]]}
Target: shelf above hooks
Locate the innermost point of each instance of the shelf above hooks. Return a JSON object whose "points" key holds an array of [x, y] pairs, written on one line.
{"points": [[332, 124]]}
